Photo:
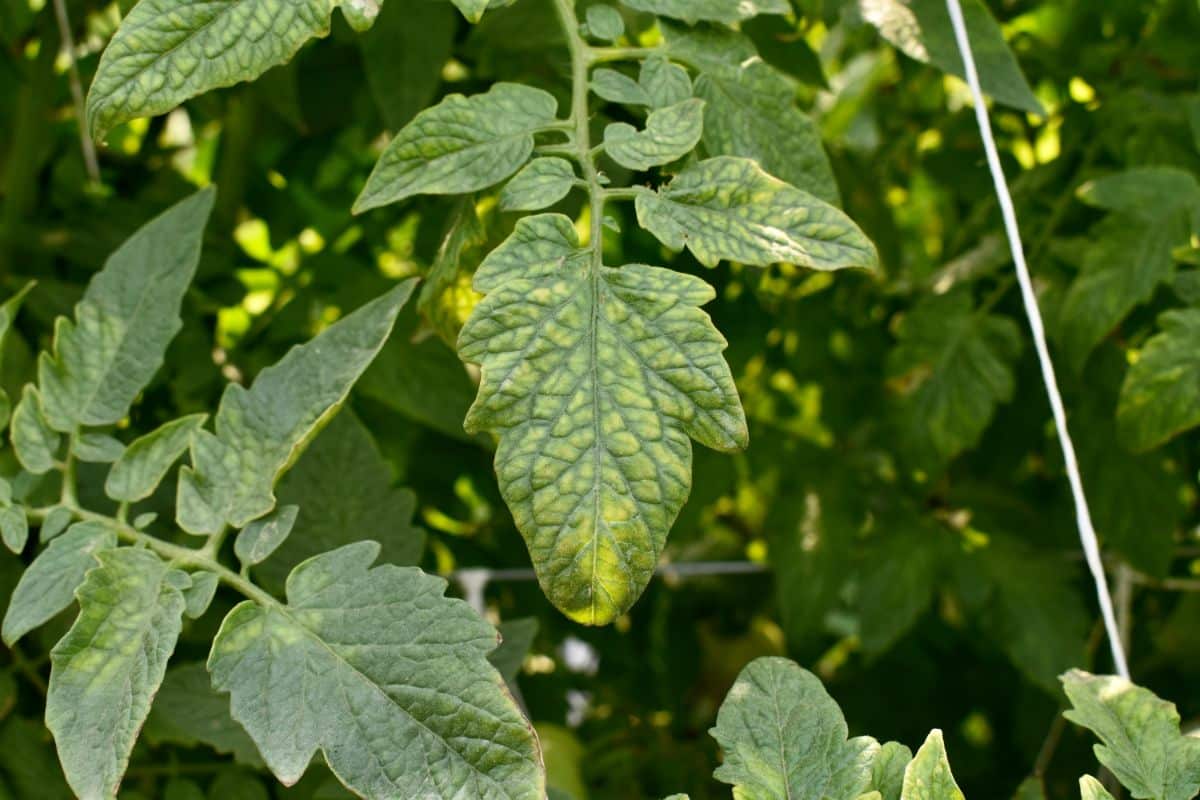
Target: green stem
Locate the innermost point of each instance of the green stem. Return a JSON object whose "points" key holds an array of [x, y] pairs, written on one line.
{"points": [[604, 55]]}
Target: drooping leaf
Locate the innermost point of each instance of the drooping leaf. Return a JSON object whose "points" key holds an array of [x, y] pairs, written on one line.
{"points": [[446, 297], [343, 486], [261, 430], [594, 378], [928, 776], [461, 145], [34, 441], [263, 536], [107, 668], [751, 110], [1160, 397], [1127, 258], [127, 317], [1140, 738], [728, 208], [670, 134], [419, 711], [167, 51], [540, 183], [48, 585], [604, 22], [950, 369], [188, 711], [143, 465], [693, 11], [403, 56], [922, 30], [782, 735]]}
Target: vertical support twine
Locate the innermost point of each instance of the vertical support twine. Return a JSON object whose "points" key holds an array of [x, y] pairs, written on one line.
{"points": [[1087, 533]]}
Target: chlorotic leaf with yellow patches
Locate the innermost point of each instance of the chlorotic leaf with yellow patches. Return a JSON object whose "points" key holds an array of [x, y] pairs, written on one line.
{"points": [[463, 144], [540, 183], [105, 671], [728, 208], [381, 673], [928, 776], [594, 379], [261, 430]]}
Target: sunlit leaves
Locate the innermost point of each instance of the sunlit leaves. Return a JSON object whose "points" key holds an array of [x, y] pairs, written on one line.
{"points": [[922, 30], [109, 665], [670, 134], [418, 711], [950, 369], [461, 145], [729, 209], [130, 312], [1161, 394], [261, 430], [167, 51], [692, 11], [595, 378], [928, 777], [48, 585], [1141, 741]]}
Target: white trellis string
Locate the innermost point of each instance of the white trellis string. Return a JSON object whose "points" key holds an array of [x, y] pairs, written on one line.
{"points": [[1087, 533]]}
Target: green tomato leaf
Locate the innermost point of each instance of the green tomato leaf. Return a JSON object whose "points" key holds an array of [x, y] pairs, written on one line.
{"points": [[55, 523], [898, 580], [751, 109], [665, 84], [540, 183], [693, 11], [343, 486], [260, 431], [199, 596], [143, 465], [728, 208], [887, 771], [403, 57], [1160, 397], [471, 9], [670, 134], [604, 22], [34, 441], [420, 711], [949, 371], [463, 144], [126, 319], [48, 585], [1092, 789], [167, 51], [14, 528], [516, 637], [921, 29], [617, 87], [594, 378], [105, 671], [1141, 741], [1143, 191], [188, 711], [928, 776], [446, 297], [262, 537], [97, 448], [782, 735]]}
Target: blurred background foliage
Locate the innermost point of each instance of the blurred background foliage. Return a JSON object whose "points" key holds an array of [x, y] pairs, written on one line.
{"points": [[903, 487]]}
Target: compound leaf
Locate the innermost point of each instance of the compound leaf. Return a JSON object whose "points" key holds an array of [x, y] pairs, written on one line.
{"points": [[594, 378], [540, 183], [1160, 397], [727, 11], [928, 776], [1141, 741], [384, 675], [167, 51], [48, 585], [107, 668], [751, 110], [950, 369], [782, 735], [261, 430], [670, 134], [127, 317], [921, 29], [728, 208], [461, 145], [143, 465]]}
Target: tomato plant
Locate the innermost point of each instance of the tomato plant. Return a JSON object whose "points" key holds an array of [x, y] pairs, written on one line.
{"points": [[354, 355]]}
